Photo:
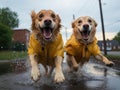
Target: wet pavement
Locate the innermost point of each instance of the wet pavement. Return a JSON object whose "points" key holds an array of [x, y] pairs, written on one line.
{"points": [[92, 76]]}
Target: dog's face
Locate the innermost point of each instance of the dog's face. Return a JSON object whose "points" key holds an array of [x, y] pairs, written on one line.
{"points": [[84, 28], [45, 22]]}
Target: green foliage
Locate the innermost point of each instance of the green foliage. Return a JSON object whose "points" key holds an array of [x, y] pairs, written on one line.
{"points": [[117, 37], [8, 17], [17, 46], [113, 57], [5, 37]]}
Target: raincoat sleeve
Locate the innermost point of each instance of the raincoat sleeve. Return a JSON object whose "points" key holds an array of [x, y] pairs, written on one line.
{"points": [[69, 49], [71, 46], [96, 50], [59, 47], [30, 46]]}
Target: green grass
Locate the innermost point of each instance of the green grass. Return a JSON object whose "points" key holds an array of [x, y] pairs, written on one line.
{"points": [[10, 55], [113, 56]]}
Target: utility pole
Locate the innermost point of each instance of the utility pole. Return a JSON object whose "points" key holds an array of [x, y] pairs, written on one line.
{"points": [[73, 17], [65, 31], [103, 30]]}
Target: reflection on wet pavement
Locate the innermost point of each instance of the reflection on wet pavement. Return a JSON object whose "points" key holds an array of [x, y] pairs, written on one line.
{"points": [[91, 77]]}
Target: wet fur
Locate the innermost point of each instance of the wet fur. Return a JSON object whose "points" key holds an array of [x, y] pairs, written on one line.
{"points": [[35, 72], [39, 36], [70, 59]]}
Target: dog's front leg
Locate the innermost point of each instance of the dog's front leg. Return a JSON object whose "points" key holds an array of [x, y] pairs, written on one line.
{"points": [[59, 77], [35, 73], [104, 59], [72, 63]]}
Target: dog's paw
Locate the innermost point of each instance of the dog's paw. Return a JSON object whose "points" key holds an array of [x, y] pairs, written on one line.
{"points": [[75, 68], [59, 77], [110, 64], [35, 73]]}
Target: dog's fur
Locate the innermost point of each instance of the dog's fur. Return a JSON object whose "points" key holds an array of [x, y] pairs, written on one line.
{"points": [[45, 41], [83, 43]]}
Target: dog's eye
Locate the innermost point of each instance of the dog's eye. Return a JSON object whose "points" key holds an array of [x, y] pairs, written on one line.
{"points": [[80, 21], [89, 20], [41, 15], [53, 15]]}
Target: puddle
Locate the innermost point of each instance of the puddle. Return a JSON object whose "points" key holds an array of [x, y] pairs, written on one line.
{"points": [[91, 77], [5, 68], [16, 66]]}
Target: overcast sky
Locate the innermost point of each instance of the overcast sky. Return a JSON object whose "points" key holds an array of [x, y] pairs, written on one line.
{"points": [[66, 9]]}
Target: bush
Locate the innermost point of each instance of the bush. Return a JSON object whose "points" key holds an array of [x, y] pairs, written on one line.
{"points": [[17, 46], [5, 37]]}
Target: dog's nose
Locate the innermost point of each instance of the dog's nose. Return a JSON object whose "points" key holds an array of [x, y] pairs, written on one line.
{"points": [[86, 26], [47, 22]]}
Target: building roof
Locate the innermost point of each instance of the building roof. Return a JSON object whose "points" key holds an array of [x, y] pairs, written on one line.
{"points": [[21, 29]]}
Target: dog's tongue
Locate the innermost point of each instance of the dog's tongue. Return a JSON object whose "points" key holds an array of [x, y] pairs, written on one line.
{"points": [[85, 35], [47, 33]]}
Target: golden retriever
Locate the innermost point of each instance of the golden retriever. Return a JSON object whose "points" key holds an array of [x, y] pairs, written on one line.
{"points": [[83, 43], [46, 44]]}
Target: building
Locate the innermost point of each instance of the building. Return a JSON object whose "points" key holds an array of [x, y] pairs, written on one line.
{"points": [[21, 36], [111, 45]]}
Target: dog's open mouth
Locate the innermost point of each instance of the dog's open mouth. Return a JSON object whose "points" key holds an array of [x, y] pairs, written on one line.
{"points": [[47, 32], [85, 34]]}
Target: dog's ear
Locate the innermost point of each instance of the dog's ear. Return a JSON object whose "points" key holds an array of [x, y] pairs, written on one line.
{"points": [[73, 24], [33, 15], [59, 21], [58, 17], [95, 23]]}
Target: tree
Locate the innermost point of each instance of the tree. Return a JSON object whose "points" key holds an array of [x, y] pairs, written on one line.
{"points": [[17, 46], [5, 37], [117, 37], [9, 18]]}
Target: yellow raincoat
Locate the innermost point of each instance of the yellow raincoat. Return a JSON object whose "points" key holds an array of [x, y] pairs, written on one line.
{"points": [[48, 52], [80, 51]]}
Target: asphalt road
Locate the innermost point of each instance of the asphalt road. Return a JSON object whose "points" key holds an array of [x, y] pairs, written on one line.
{"points": [[92, 76]]}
